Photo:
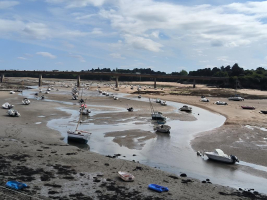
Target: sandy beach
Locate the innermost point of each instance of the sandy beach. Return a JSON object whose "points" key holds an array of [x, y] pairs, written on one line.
{"points": [[33, 153]]}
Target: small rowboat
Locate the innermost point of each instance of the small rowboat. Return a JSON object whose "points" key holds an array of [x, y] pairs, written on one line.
{"points": [[264, 111], [126, 176], [248, 107], [158, 188]]}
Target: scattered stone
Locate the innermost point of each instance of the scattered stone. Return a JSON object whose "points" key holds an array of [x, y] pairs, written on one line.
{"points": [[203, 182], [173, 177], [183, 175], [207, 179], [106, 164], [186, 181], [134, 155]]}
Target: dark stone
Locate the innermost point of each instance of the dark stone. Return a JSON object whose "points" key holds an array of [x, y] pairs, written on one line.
{"points": [[183, 175]]}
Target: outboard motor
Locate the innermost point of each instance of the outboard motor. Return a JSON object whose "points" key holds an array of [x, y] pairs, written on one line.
{"points": [[234, 159]]}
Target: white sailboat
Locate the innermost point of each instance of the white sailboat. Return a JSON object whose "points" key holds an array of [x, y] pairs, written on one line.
{"points": [[78, 135]]}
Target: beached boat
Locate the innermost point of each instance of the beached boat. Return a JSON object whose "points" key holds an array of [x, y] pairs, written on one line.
{"points": [[13, 113], [248, 107], [158, 100], [220, 103], [126, 176], [115, 98], [78, 136], [219, 155], [26, 101], [46, 92], [163, 128], [11, 92], [155, 114], [204, 99], [264, 111], [130, 109], [84, 111], [163, 103], [236, 99], [7, 105], [107, 94], [139, 96], [158, 188], [186, 108]]}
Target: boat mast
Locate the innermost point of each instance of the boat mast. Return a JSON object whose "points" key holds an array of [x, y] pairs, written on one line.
{"points": [[151, 107], [78, 121]]}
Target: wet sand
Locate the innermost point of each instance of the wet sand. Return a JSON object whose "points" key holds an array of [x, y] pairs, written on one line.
{"points": [[35, 154]]}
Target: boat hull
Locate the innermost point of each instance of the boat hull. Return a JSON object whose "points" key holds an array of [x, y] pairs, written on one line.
{"points": [[220, 159], [76, 139]]}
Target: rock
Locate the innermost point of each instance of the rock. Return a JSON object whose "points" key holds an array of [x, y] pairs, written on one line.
{"points": [[183, 175], [207, 179], [203, 182], [134, 155], [106, 164], [240, 189]]}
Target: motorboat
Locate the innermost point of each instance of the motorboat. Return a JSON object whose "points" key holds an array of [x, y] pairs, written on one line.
{"points": [[248, 107], [163, 128], [158, 100], [163, 103], [7, 105], [139, 96], [219, 155], [186, 108], [11, 92], [78, 136], [126, 176], [13, 113], [48, 89], [236, 99], [221, 103], [46, 92], [204, 99], [107, 94], [26, 101], [130, 109], [103, 93], [264, 111], [115, 98]]}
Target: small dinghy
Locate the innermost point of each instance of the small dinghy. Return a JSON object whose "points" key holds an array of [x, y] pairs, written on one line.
{"points": [[11, 92], [264, 111], [7, 105], [46, 92], [158, 100], [248, 107], [130, 109], [26, 101], [163, 128], [13, 113], [139, 96], [126, 176], [204, 99], [115, 98], [158, 188], [16, 185]]}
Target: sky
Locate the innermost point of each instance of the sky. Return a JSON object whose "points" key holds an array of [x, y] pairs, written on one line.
{"points": [[164, 35]]}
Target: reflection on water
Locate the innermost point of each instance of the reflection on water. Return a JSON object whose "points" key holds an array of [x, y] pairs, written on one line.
{"points": [[79, 145], [169, 152]]}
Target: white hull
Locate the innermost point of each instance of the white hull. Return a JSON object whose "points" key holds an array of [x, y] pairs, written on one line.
{"points": [[126, 176], [163, 129], [218, 155]]}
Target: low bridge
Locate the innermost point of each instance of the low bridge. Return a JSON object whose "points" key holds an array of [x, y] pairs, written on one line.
{"points": [[114, 74]]}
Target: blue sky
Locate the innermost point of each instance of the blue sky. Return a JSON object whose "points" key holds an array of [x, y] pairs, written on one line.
{"points": [[126, 34]]}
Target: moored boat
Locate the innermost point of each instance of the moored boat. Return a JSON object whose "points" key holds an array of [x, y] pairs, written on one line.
{"points": [[219, 155], [220, 103], [130, 109], [126, 176], [186, 108], [163, 103], [264, 111], [13, 113], [78, 136], [163, 128], [248, 107], [7, 105], [158, 100], [26, 101], [236, 99]]}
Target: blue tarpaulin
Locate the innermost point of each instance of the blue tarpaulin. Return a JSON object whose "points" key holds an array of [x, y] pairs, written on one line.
{"points": [[16, 185]]}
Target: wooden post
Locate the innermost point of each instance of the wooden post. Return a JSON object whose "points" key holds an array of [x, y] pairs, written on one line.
{"points": [[78, 80], [117, 82], [194, 83], [155, 83], [40, 80], [2, 78]]}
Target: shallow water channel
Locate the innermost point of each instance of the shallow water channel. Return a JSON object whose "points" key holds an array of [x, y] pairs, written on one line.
{"points": [[171, 153]]}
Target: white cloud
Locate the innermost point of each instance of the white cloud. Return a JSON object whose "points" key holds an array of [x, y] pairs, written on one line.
{"points": [[142, 43], [78, 3], [8, 4], [79, 57], [21, 58], [116, 55], [97, 31], [46, 54]]}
